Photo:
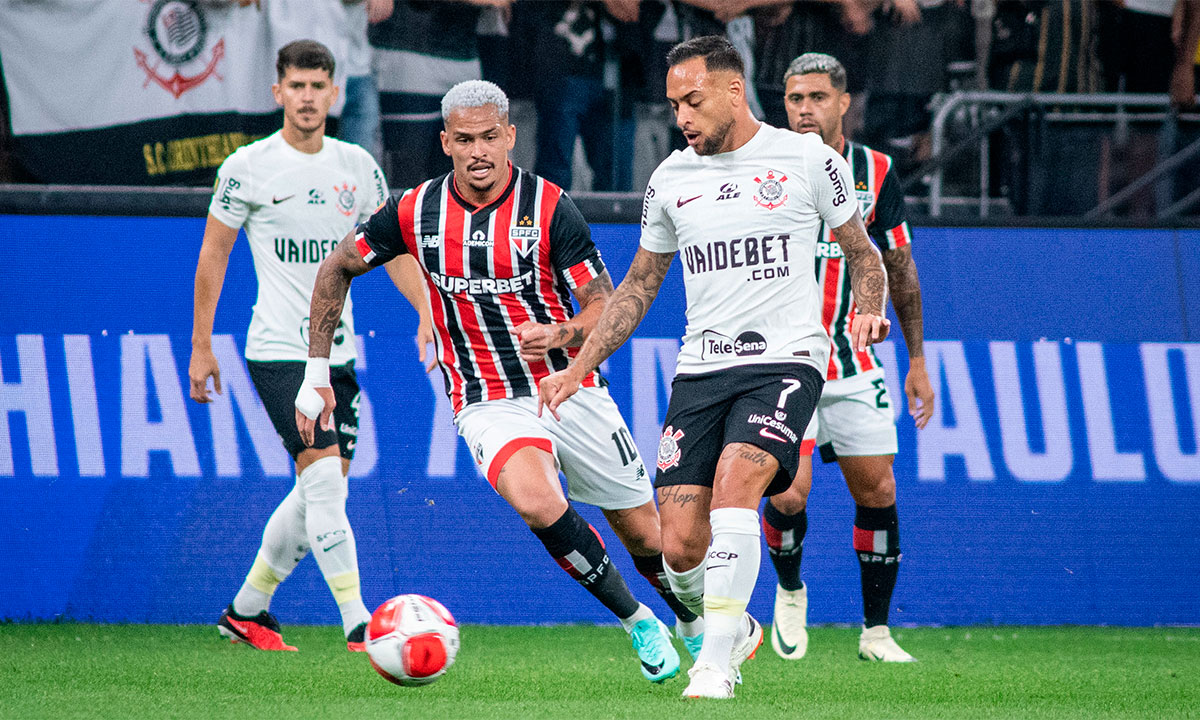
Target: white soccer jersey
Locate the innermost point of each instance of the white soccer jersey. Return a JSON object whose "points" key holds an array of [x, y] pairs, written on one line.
{"points": [[745, 224], [295, 207]]}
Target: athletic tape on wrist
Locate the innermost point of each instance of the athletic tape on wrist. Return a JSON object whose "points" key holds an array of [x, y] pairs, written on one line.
{"points": [[316, 372]]}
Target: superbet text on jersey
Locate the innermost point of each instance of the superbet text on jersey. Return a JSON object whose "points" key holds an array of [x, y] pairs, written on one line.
{"points": [[745, 224], [487, 271]]}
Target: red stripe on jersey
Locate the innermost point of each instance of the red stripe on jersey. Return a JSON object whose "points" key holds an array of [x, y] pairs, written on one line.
{"points": [[833, 270], [406, 216], [582, 273], [899, 235], [881, 163], [550, 195], [364, 250], [807, 446]]}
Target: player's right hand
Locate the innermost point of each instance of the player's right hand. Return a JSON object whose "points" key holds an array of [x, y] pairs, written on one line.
{"points": [[867, 329], [424, 342], [554, 389], [203, 365], [314, 400]]}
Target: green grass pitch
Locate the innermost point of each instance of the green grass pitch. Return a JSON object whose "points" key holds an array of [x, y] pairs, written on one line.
{"points": [[579, 672]]}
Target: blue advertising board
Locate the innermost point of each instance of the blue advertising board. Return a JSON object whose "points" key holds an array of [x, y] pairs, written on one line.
{"points": [[1059, 481]]}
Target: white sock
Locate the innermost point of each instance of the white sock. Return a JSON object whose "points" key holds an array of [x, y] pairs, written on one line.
{"points": [[331, 538], [689, 629], [688, 586], [642, 613], [729, 576], [284, 545]]}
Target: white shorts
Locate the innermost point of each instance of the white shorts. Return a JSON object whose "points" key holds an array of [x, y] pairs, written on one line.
{"points": [[591, 445], [855, 417]]}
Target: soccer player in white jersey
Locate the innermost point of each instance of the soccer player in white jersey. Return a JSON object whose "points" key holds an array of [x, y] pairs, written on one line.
{"points": [[854, 423], [296, 193], [502, 251], [742, 205]]}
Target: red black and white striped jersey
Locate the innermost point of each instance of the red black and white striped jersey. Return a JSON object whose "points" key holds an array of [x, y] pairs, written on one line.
{"points": [[488, 270], [881, 200]]}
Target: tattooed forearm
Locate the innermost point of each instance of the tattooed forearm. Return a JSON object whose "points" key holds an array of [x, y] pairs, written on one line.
{"points": [[329, 295], [868, 279], [625, 308], [592, 297], [569, 337], [906, 297]]}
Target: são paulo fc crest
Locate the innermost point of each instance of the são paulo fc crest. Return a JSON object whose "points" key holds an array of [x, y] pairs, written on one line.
{"points": [[345, 198], [524, 236], [668, 448], [770, 193], [178, 35]]}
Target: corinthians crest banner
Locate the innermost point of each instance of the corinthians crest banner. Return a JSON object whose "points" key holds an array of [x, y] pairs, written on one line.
{"points": [[137, 92]]}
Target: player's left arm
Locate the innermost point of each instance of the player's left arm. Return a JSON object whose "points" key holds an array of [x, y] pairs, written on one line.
{"points": [[894, 237], [405, 273]]}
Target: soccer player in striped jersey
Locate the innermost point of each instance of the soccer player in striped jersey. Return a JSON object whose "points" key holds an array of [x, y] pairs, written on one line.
{"points": [[502, 251], [854, 423], [742, 206]]}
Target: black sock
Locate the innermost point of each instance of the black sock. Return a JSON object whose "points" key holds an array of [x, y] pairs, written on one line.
{"points": [[785, 544], [877, 544], [651, 568], [574, 544]]}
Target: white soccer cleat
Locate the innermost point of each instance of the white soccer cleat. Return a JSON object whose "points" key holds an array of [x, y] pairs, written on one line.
{"points": [[745, 645], [789, 632], [876, 645], [708, 682]]}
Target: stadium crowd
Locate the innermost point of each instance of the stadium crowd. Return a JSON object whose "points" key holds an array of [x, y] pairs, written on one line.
{"points": [[592, 71]]}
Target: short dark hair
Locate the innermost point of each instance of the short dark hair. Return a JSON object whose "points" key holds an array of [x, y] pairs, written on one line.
{"points": [[718, 54], [304, 55], [818, 64]]}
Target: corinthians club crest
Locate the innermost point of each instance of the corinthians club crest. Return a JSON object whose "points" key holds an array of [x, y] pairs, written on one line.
{"points": [[770, 193], [178, 33], [668, 448]]}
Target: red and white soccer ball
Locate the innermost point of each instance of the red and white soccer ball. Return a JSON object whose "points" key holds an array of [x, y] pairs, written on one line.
{"points": [[412, 640]]}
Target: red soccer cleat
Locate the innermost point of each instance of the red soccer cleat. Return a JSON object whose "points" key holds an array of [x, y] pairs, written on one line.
{"points": [[260, 632]]}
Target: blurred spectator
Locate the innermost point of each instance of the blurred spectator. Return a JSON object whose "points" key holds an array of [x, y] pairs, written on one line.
{"points": [[8, 163], [1045, 46], [783, 33], [360, 117], [420, 52], [730, 18], [1136, 48], [580, 96], [912, 42], [1185, 35]]}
